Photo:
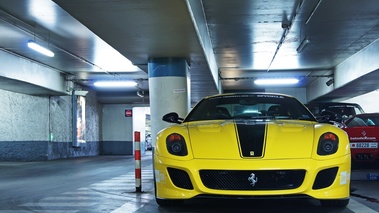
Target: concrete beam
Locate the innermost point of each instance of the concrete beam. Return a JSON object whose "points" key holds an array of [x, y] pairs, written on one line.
{"points": [[196, 11], [21, 75], [353, 77]]}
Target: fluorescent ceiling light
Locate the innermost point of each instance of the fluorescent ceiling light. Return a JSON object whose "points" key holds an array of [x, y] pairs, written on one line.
{"points": [[303, 44], [33, 45], [276, 81], [115, 84]]}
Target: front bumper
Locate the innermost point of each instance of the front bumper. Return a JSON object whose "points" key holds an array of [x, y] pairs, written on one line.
{"points": [[177, 179]]}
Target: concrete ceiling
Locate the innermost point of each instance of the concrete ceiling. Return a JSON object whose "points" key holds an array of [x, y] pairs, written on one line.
{"points": [[227, 43]]}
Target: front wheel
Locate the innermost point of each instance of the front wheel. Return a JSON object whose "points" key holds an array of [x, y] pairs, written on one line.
{"points": [[335, 203]]}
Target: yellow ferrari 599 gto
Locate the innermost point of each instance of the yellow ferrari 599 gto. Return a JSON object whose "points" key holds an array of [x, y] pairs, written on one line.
{"points": [[251, 145]]}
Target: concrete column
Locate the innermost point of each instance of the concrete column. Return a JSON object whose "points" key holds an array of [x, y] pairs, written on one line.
{"points": [[169, 90]]}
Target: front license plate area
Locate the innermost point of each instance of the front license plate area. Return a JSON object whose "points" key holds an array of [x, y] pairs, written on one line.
{"points": [[363, 157], [364, 145]]}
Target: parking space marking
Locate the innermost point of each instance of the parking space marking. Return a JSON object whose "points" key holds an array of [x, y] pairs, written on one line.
{"points": [[357, 207], [118, 188]]}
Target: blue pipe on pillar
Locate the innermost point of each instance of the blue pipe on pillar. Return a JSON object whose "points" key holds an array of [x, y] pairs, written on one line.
{"points": [[162, 67]]}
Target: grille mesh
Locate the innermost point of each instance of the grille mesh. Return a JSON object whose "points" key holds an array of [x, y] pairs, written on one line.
{"points": [[325, 178], [180, 178], [265, 180]]}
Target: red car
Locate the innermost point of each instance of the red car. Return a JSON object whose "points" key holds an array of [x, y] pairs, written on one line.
{"points": [[363, 132]]}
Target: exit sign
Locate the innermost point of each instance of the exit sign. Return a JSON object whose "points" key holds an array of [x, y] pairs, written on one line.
{"points": [[128, 113]]}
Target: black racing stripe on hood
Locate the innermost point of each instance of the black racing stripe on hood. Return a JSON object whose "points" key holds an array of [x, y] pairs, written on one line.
{"points": [[251, 138]]}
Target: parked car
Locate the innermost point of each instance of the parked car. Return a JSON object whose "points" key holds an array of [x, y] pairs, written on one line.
{"points": [[334, 111], [148, 140], [363, 132], [249, 146]]}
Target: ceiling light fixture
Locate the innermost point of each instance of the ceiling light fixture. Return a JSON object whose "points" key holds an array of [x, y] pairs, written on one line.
{"points": [[115, 84], [313, 12], [303, 44], [329, 82], [33, 45], [276, 81]]}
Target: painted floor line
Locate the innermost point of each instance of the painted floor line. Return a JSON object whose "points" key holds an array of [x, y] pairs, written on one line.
{"points": [[357, 207]]}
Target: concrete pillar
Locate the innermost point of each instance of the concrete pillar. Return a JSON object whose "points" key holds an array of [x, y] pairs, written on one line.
{"points": [[169, 90]]}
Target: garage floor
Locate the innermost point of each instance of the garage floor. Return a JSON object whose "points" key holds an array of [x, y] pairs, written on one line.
{"points": [[107, 184]]}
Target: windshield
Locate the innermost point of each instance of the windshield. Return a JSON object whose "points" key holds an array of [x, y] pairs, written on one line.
{"points": [[249, 106], [335, 111]]}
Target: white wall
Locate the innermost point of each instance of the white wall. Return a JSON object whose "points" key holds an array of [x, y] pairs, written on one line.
{"points": [[298, 93], [139, 123], [118, 130], [23, 117], [117, 127], [139, 120], [40, 127], [369, 101]]}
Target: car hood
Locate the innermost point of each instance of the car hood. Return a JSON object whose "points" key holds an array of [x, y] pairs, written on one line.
{"points": [[283, 139]]}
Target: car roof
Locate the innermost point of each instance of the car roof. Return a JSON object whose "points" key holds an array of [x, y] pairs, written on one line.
{"points": [[366, 114], [362, 115], [332, 104]]}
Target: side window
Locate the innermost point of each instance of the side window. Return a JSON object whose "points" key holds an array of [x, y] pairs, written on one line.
{"points": [[357, 111]]}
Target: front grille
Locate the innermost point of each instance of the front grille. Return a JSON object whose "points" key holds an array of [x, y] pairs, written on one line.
{"points": [[180, 178], [325, 178], [252, 180]]}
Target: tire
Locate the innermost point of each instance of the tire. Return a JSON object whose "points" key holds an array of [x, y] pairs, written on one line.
{"points": [[335, 203], [168, 202]]}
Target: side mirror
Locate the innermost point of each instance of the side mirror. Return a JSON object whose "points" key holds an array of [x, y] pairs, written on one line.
{"points": [[172, 117]]}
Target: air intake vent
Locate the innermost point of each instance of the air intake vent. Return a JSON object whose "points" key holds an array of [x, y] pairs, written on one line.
{"points": [[180, 178], [325, 178]]}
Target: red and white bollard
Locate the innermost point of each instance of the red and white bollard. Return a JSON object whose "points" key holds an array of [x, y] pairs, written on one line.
{"points": [[137, 158]]}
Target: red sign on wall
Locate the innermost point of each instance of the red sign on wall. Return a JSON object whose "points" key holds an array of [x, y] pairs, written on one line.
{"points": [[128, 113]]}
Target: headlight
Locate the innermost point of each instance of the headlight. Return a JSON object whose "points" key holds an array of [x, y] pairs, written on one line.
{"points": [[176, 145], [327, 144]]}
